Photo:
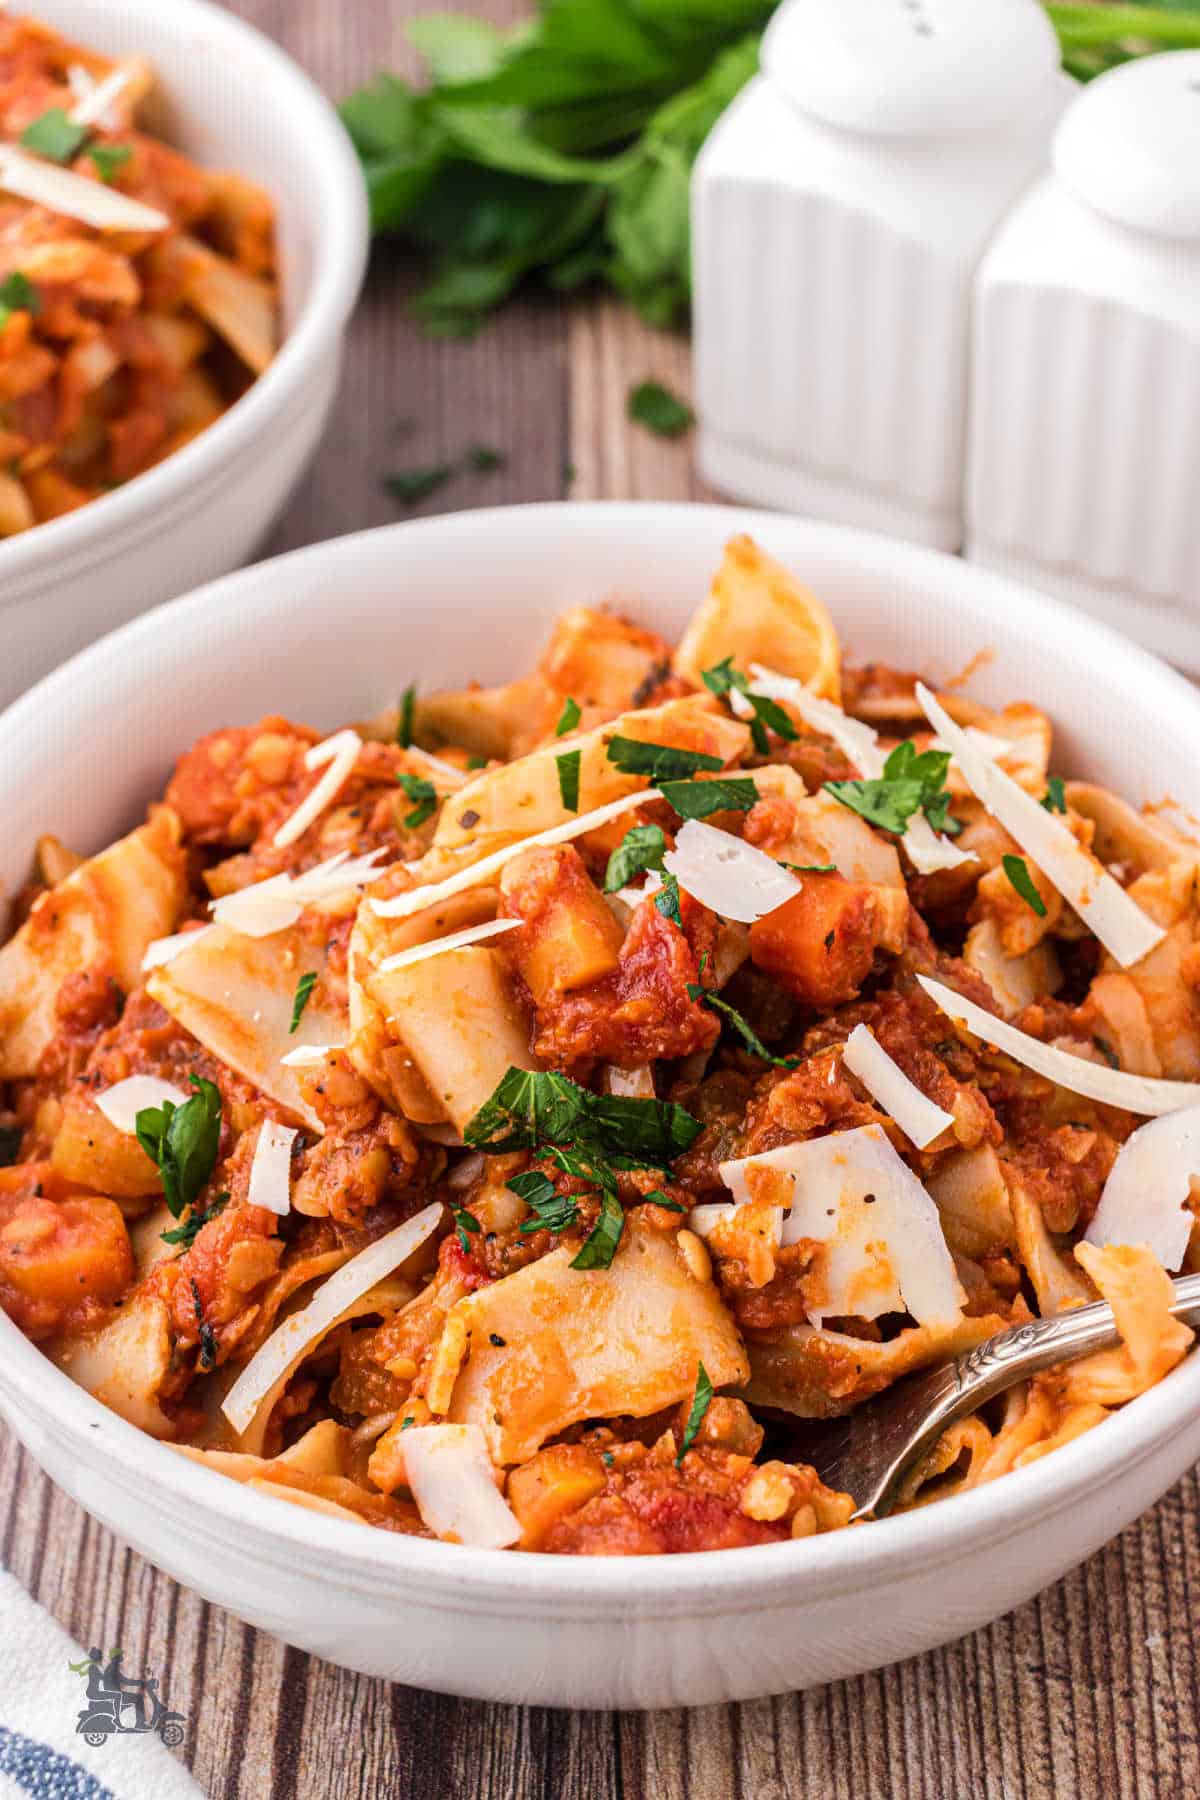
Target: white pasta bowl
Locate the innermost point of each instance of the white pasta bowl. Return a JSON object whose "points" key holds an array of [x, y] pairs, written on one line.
{"points": [[334, 632], [230, 99]]}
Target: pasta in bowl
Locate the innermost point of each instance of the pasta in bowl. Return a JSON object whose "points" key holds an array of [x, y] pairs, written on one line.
{"points": [[489, 1121]]}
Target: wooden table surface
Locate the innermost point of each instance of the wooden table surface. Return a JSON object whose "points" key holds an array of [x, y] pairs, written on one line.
{"points": [[1091, 1690]]}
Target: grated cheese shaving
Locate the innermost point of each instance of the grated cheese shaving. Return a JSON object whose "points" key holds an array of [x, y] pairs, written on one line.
{"points": [[449, 1473], [75, 196], [728, 875], [162, 949], [340, 752], [122, 1102], [266, 907], [93, 102], [271, 1171], [309, 1056], [457, 940], [1145, 1199], [914, 1112]]}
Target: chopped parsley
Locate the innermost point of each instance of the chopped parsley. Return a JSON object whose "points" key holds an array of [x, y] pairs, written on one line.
{"points": [[54, 136], [1054, 799], [425, 795], [1017, 870], [301, 998], [600, 1245], [810, 868], [183, 1142], [701, 1400], [661, 762], [911, 783], [532, 1108], [186, 1233], [10, 1145], [208, 1337], [404, 725], [723, 678], [568, 718], [568, 766], [477, 762], [410, 486], [465, 1221], [697, 799], [108, 159], [658, 1198], [666, 901], [660, 411], [552, 1211], [17, 294], [643, 847], [705, 997]]}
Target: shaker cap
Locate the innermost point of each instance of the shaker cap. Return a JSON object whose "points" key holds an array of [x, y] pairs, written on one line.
{"points": [[1129, 145], [910, 67]]}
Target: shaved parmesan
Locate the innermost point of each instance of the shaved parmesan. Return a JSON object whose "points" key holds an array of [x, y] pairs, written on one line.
{"points": [[917, 1116], [1000, 749], [632, 896], [122, 1102], [164, 948], [289, 1341], [450, 1476], [271, 1170], [705, 1219], [435, 892], [927, 851], [75, 196], [457, 940], [340, 753], [885, 1251], [1145, 1197], [630, 1084], [1104, 906], [309, 1056], [272, 905], [727, 875], [93, 102], [1112, 1087]]}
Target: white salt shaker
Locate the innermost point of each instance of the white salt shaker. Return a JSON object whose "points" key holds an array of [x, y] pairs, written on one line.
{"points": [[840, 208], [1085, 443]]}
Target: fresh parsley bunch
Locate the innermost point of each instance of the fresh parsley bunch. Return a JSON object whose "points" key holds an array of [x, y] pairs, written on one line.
{"points": [[563, 149]]}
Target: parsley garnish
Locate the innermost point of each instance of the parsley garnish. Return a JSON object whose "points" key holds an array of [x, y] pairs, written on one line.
{"points": [[768, 714], [54, 136], [654, 406], [661, 762], [700, 1404], [569, 765], [477, 762], [1017, 870], [660, 1199], [697, 799], [568, 718], [17, 294], [810, 868], [705, 997], [600, 1245], [186, 1233], [666, 901], [425, 795], [1054, 799], [910, 783], [553, 1211], [642, 847], [301, 998], [532, 1108], [10, 1145], [465, 1221], [108, 158], [208, 1337], [404, 725], [410, 486], [183, 1142]]}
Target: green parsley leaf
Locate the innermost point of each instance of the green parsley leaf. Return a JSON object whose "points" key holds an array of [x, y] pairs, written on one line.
{"points": [[483, 460], [768, 714], [552, 1211], [661, 762], [663, 1200], [477, 762], [705, 997], [569, 765], [533, 1108], [411, 486], [568, 718], [655, 1130], [109, 158], [10, 1145], [1017, 870], [701, 1400], [810, 868], [425, 795], [600, 1245], [666, 901], [654, 406], [697, 799], [18, 294], [642, 847], [301, 998], [183, 1142], [404, 725], [54, 136], [186, 1233], [911, 782], [208, 1337], [465, 1221], [1054, 799]]}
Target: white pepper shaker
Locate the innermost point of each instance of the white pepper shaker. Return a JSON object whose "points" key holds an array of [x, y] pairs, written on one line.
{"points": [[840, 208], [1085, 442]]}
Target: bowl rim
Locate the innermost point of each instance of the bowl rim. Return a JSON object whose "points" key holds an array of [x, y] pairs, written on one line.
{"points": [[754, 1578], [336, 201]]}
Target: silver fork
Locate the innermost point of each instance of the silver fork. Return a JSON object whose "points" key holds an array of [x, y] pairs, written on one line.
{"points": [[866, 1453]]}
